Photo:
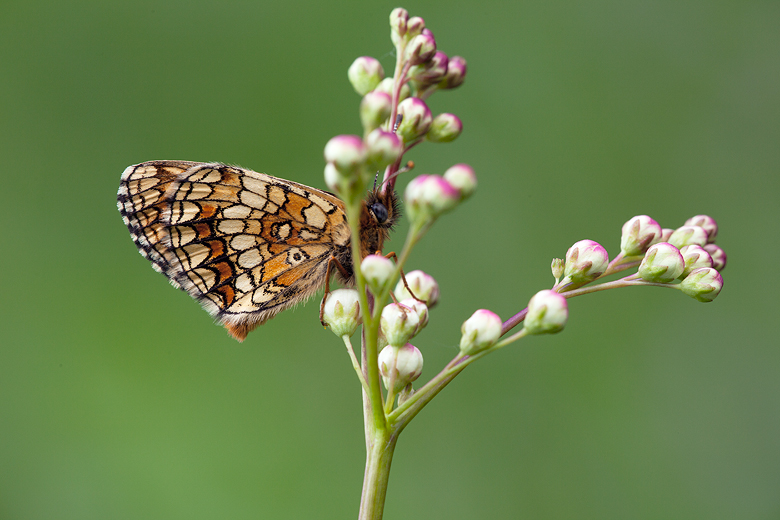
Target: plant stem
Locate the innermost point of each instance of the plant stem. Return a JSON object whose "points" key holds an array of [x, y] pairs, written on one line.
{"points": [[379, 456]]}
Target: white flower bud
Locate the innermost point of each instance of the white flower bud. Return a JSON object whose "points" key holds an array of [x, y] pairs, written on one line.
{"points": [[662, 263], [556, 266], [416, 119], [399, 323], [378, 272], [665, 234], [428, 196], [365, 73], [461, 177], [342, 311], [687, 236], [383, 148], [333, 178], [444, 128], [702, 284], [694, 257], [420, 308], [707, 223], [374, 109], [408, 362], [423, 286], [346, 152], [586, 260], [386, 86], [414, 26], [547, 313], [639, 233], [398, 19], [481, 331], [718, 256]]}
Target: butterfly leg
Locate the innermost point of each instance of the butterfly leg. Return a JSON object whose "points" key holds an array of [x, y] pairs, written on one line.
{"points": [[331, 262], [392, 255]]}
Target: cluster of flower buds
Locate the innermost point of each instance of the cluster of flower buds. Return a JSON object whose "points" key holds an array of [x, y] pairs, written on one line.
{"points": [[428, 196], [350, 159]]}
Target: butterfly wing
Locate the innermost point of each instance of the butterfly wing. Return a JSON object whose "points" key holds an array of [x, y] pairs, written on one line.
{"points": [[245, 244]]}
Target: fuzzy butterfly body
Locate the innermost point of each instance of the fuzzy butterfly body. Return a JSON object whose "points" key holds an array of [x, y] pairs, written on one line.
{"points": [[244, 244]]}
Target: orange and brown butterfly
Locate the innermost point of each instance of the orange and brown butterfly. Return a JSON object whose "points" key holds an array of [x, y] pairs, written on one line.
{"points": [[244, 244]]}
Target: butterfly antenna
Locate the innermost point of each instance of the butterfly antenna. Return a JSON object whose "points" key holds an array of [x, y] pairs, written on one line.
{"points": [[398, 119]]}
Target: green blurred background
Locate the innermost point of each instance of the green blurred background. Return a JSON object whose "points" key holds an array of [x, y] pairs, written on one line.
{"points": [[119, 397]]}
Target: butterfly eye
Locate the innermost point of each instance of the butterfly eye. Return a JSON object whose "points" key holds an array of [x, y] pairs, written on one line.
{"points": [[380, 212]]}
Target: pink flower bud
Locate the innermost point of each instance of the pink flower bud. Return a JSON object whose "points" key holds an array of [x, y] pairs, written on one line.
{"points": [[718, 256], [702, 284], [422, 285], [461, 177], [421, 48], [432, 71], [694, 257], [479, 332], [586, 260], [346, 152], [414, 26], [547, 313], [638, 234], [706, 222], [365, 73], [662, 263], [444, 128], [383, 148], [386, 86], [428, 196], [375, 109], [688, 235], [456, 73], [665, 234], [408, 362], [416, 119], [398, 19]]}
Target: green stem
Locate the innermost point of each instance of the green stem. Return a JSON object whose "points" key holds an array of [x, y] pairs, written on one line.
{"points": [[379, 455], [355, 364]]}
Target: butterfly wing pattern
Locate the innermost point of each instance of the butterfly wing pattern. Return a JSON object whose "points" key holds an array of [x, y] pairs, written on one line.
{"points": [[246, 245]]}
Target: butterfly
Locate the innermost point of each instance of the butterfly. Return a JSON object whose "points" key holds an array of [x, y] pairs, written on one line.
{"points": [[246, 245]]}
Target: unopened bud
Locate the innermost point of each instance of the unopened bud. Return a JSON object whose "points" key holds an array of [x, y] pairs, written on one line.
{"points": [[386, 86], [662, 263], [374, 109], [706, 222], [399, 323], [416, 119], [383, 148], [421, 284], [665, 234], [718, 256], [694, 257], [421, 48], [428, 196], [341, 311], [548, 312], [557, 268], [378, 271], [420, 308], [346, 152], [639, 233], [414, 26], [586, 260], [398, 19], [365, 73], [444, 128], [431, 71], [456, 73], [461, 177], [702, 284], [687, 236], [479, 332], [408, 363]]}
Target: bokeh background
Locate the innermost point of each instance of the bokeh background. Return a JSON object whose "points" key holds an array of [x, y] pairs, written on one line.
{"points": [[119, 397]]}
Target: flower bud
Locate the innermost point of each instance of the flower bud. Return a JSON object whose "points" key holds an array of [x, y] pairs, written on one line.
{"points": [[341, 311], [399, 323], [586, 260], [375, 109], [420, 308], [398, 19], [365, 73], [694, 257], [386, 86], [383, 148], [444, 128], [703, 284], [461, 177], [432, 71], [416, 120], [706, 222], [422, 285], [547, 313], [480, 332], [638, 234], [718, 256], [557, 268], [333, 178], [665, 234], [378, 271], [414, 26], [456, 73], [346, 152], [662, 263], [421, 48], [408, 362], [688, 235], [428, 196]]}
